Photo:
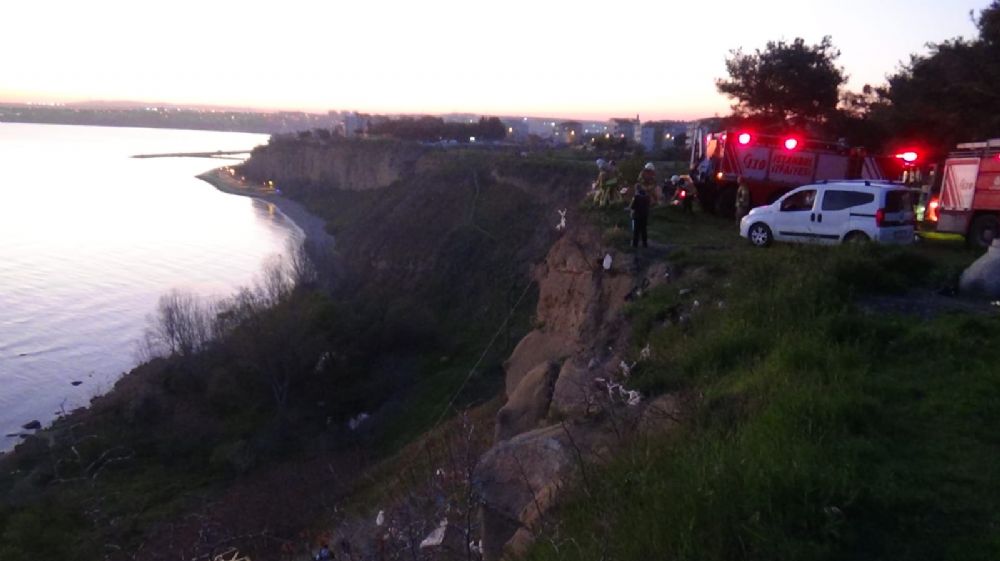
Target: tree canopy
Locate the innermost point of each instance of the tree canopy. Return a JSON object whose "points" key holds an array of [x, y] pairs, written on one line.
{"points": [[785, 82], [949, 95]]}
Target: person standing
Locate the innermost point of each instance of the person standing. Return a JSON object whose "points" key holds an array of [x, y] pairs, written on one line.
{"points": [[647, 178], [640, 216]]}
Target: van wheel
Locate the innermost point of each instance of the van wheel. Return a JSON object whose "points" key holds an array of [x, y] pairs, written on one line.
{"points": [[983, 231], [760, 235], [856, 238]]}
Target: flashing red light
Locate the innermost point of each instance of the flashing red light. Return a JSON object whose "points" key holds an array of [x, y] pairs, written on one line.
{"points": [[744, 138], [932, 210], [791, 143], [908, 157]]}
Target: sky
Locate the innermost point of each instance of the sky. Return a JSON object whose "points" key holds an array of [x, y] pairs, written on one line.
{"points": [[655, 58]]}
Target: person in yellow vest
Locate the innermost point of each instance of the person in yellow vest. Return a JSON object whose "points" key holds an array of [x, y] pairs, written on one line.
{"points": [[647, 178]]}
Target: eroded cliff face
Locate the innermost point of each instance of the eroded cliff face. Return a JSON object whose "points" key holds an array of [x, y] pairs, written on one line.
{"points": [[336, 164], [563, 409]]}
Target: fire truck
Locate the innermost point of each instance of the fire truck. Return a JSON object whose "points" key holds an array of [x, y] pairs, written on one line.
{"points": [[969, 198], [772, 165]]}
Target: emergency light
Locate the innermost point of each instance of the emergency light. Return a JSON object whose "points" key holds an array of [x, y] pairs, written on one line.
{"points": [[744, 138], [908, 157], [791, 143]]}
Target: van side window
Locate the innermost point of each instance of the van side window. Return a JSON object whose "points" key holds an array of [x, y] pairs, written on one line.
{"points": [[839, 200], [898, 201], [803, 200]]}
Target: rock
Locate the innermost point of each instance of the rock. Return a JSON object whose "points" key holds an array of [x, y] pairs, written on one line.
{"points": [[528, 404], [983, 276], [537, 347], [76, 382], [33, 425], [519, 479]]}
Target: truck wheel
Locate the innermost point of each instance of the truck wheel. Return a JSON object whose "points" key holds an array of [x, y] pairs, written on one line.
{"points": [[760, 235], [984, 230]]}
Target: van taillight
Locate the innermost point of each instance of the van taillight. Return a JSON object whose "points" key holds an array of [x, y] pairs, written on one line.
{"points": [[879, 217]]}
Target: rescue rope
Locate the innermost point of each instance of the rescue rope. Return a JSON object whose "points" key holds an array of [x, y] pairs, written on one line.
{"points": [[489, 345]]}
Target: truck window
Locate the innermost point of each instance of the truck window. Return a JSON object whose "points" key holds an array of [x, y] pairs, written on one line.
{"points": [[840, 200], [898, 201], [803, 200]]}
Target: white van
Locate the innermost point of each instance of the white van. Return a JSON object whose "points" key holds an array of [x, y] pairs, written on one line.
{"points": [[835, 212]]}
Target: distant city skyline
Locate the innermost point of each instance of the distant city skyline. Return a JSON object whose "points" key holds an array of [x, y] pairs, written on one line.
{"points": [[580, 60]]}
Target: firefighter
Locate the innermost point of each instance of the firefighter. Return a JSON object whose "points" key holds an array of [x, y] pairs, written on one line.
{"points": [[647, 178], [742, 199], [602, 195]]}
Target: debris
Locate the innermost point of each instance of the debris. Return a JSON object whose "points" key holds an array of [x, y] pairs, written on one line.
{"points": [[695, 304], [721, 305], [76, 382], [436, 537], [684, 291], [607, 262], [380, 519], [592, 364], [323, 359], [626, 368], [33, 425], [562, 220], [354, 422], [644, 353]]}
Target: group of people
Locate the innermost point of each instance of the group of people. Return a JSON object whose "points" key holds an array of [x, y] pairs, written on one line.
{"points": [[608, 189]]}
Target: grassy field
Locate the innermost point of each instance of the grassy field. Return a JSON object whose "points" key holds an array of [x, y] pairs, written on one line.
{"points": [[823, 428]]}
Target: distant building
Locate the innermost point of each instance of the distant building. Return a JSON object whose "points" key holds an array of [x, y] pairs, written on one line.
{"points": [[355, 124], [518, 128], [656, 135], [626, 128], [569, 132]]}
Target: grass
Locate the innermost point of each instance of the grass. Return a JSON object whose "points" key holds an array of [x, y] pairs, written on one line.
{"points": [[824, 431]]}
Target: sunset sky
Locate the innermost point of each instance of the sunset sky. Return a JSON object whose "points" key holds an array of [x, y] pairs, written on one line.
{"points": [[553, 58]]}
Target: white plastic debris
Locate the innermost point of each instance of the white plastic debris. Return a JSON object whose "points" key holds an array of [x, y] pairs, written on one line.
{"points": [[645, 352], [684, 291], [633, 398], [380, 519], [695, 304], [323, 359], [626, 368], [592, 364], [562, 220], [354, 422], [607, 262], [436, 537]]}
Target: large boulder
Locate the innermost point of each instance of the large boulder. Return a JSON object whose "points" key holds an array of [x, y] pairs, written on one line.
{"points": [[528, 403], [519, 479], [983, 276]]}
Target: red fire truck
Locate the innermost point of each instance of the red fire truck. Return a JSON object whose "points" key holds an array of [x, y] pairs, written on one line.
{"points": [[969, 200], [772, 165]]}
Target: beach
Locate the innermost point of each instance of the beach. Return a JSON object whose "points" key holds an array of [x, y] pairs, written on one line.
{"points": [[313, 227]]}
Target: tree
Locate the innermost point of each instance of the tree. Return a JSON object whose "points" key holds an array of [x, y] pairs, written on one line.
{"points": [[785, 82], [950, 94]]}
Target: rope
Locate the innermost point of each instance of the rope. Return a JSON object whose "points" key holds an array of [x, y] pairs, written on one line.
{"points": [[482, 356]]}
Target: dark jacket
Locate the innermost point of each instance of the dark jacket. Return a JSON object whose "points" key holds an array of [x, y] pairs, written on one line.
{"points": [[640, 206]]}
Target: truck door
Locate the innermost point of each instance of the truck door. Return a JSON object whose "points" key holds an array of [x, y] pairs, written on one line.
{"points": [[958, 190]]}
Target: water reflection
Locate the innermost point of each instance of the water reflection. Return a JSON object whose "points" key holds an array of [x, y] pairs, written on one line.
{"points": [[89, 244]]}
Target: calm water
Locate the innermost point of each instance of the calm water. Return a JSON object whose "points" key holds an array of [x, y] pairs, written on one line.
{"points": [[90, 239]]}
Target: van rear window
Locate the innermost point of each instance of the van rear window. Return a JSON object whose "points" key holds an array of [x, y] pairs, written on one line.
{"points": [[839, 200], [898, 201]]}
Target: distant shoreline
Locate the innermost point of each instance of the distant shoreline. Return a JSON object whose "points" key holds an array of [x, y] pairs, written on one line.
{"points": [[312, 226]]}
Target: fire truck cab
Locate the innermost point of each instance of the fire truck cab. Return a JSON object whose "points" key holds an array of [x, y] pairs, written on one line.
{"points": [[969, 202], [771, 165]]}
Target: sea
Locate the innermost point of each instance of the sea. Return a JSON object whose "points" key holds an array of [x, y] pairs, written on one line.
{"points": [[91, 238]]}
